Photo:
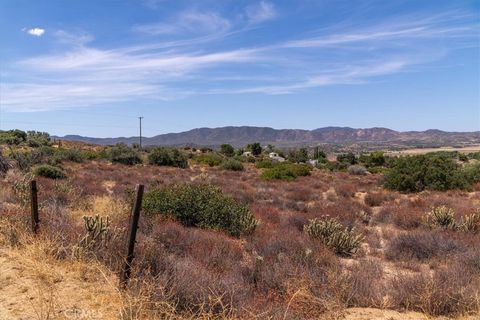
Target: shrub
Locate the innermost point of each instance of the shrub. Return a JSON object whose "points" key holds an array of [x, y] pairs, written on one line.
{"points": [[334, 235], [286, 171], [13, 137], [233, 165], [74, 155], [264, 163], [374, 159], [298, 156], [4, 165], [472, 172], [441, 217], [421, 245], [37, 139], [121, 153], [227, 150], [168, 157], [375, 199], [357, 170], [347, 158], [49, 171], [203, 206], [430, 171], [210, 159], [319, 154]]}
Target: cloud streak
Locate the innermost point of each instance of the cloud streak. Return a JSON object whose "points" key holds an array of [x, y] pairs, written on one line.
{"points": [[86, 75]]}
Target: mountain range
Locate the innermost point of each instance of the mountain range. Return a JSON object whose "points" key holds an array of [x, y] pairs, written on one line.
{"points": [[241, 136]]}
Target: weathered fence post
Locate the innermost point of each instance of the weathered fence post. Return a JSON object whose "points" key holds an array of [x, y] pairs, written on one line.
{"points": [[34, 206], [132, 234]]}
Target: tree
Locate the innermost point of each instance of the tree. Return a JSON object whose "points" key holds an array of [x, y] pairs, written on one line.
{"points": [[227, 150], [255, 148], [298, 156], [319, 154], [347, 158], [433, 172]]}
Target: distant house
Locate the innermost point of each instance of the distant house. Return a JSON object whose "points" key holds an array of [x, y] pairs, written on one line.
{"points": [[248, 154], [275, 157]]}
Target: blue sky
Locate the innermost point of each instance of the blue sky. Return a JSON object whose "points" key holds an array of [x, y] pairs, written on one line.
{"points": [[92, 67]]}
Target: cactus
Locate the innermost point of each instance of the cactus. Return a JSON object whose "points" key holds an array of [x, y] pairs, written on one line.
{"points": [[331, 232], [471, 222], [96, 228], [442, 216]]}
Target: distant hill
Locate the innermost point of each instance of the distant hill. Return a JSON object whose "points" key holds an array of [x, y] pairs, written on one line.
{"points": [[240, 136]]}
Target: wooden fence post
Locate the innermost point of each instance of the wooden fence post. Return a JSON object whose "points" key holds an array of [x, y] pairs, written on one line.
{"points": [[132, 234], [34, 206]]}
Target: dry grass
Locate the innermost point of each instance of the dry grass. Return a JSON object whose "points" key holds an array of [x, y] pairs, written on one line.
{"points": [[276, 273]]}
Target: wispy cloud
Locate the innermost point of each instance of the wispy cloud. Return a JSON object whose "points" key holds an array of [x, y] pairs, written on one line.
{"points": [[261, 12], [37, 32], [188, 23], [86, 75]]}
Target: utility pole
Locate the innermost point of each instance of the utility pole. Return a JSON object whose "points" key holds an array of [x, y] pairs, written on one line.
{"points": [[140, 118]]}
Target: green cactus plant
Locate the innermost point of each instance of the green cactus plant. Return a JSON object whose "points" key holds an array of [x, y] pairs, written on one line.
{"points": [[96, 230], [332, 233]]}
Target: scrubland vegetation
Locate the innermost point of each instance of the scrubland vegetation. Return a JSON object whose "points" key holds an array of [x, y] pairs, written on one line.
{"points": [[224, 235]]}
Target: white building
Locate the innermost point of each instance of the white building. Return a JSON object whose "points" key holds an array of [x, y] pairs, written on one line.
{"points": [[275, 157]]}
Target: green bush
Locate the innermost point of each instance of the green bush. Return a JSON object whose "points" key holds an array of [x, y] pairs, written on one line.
{"points": [[203, 206], [347, 158], [37, 139], [472, 172], [298, 156], [49, 171], [334, 235], [286, 171], [431, 171], [233, 165], [265, 164], [227, 150], [13, 137], [121, 153], [95, 154], [374, 159], [74, 155], [210, 159], [168, 157], [26, 159]]}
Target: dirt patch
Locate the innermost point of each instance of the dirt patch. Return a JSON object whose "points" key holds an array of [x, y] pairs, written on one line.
{"points": [[47, 289]]}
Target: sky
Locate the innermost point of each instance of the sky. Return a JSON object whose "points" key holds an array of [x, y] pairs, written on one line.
{"points": [[92, 67]]}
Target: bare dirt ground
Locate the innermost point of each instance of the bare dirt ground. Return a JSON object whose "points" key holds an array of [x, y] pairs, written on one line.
{"points": [[35, 287]]}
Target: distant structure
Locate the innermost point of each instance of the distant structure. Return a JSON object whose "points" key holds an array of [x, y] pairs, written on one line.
{"points": [[247, 154], [275, 157]]}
